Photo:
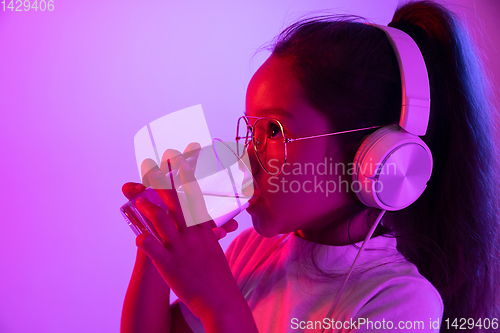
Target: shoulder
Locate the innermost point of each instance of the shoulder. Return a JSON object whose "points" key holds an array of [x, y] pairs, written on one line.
{"points": [[408, 292], [403, 296]]}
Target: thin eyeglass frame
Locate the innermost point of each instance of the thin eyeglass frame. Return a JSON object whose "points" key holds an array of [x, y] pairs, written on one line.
{"points": [[285, 139]]}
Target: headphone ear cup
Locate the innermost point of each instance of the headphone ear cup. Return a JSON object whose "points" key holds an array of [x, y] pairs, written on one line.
{"points": [[391, 168]]}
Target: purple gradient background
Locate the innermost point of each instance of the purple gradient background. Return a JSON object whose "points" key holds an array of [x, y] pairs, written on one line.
{"points": [[76, 84]]}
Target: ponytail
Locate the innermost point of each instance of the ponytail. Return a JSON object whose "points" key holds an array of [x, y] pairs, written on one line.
{"points": [[457, 214]]}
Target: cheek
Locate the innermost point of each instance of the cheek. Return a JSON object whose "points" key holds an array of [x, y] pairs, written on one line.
{"points": [[291, 197], [298, 195], [309, 181]]}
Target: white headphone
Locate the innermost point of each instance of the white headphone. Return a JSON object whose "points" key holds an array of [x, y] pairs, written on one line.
{"points": [[392, 165]]}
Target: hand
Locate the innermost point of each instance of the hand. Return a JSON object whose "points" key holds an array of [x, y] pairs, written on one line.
{"points": [[190, 154], [131, 190], [189, 258]]}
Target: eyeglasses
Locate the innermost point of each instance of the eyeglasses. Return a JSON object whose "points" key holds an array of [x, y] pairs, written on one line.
{"points": [[270, 142]]}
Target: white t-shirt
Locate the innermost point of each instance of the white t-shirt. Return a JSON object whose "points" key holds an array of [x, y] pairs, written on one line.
{"points": [[286, 293]]}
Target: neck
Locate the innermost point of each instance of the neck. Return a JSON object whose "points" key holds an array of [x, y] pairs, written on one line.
{"points": [[343, 232]]}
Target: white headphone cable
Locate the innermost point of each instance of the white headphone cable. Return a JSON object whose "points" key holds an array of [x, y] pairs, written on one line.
{"points": [[370, 233]]}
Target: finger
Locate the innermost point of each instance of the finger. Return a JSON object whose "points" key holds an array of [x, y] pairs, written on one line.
{"points": [[192, 161], [153, 249], [192, 149], [169, 157], [131, 190], [161, 219], [219, 233], [171, 161], [191, 154], [230, 226], [194, 196], [170, 197], [164, 186], [148, 166]]}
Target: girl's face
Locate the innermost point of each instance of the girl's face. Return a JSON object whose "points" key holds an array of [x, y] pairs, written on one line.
{"points": [[304, 192]]}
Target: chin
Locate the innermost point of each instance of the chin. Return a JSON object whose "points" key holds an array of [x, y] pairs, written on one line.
{"points": [[263, 228]]}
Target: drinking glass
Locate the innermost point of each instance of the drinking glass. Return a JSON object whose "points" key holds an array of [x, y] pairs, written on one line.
{"points": [[225, 180]]}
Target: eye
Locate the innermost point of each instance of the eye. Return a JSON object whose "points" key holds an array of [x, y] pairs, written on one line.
{"points": [[273, 130]]}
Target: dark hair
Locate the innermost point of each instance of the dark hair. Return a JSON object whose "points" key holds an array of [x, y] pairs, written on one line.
{"points": [[350, 73]]}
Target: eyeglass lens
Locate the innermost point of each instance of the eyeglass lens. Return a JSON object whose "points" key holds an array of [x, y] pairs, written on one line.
{"points": [[268, 140]]}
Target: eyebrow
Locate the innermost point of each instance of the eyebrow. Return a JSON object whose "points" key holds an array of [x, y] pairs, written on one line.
{"points": [[274, 111]]}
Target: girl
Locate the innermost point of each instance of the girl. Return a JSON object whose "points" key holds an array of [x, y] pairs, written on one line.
{"points": [[424, 266]]}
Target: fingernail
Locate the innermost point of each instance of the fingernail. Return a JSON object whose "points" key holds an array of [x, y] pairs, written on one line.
{"points": [[186, 166], [141, 200], [223, 234], [157, 175]]}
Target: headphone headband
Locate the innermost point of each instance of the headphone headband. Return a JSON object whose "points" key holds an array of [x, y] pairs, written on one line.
{"points": [[416, 101]]}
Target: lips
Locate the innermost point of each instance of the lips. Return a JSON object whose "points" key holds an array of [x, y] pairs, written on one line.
{"points": [[252, 201], [250, 188]]}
